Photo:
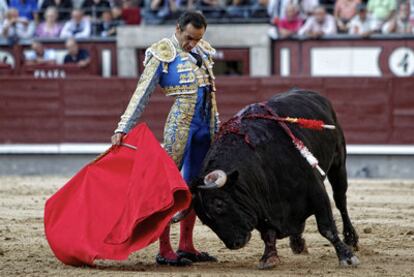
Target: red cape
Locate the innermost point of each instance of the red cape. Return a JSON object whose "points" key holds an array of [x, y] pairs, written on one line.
{"points": [[117, 204]]}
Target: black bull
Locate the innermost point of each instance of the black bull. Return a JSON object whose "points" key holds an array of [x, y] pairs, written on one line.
{"points": [[270, 187]]}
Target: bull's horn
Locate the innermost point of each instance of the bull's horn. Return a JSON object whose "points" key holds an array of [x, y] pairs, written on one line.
{"points": [[215, 179]]}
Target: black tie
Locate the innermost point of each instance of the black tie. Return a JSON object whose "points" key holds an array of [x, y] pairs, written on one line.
{"points": [[198, 58]]}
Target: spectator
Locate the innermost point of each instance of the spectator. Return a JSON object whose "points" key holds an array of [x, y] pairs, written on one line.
{"points": [[344, 11], [361, 24], [3, 9], [211, 8], [276, 9], [156, 11], [107, 27], [259, 8], [400, 23], [308, 6], [238, 8], [15, 27], [328, 4], [95, 8], [26, 8], [64, 7], [290, 24], [39, 55], [185, 4], [381, 11], [319, 24], [76, 55], [78, 27], [50, 28], [130, 13]]}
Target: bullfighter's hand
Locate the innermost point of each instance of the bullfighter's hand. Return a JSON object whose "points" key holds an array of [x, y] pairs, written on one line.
{"points": [[116, 139]]}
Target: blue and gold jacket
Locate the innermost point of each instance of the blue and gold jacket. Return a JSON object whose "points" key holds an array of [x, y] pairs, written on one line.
{"points": [[177, 73]]}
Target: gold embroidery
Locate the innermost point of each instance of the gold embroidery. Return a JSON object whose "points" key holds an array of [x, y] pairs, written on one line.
{"points": [[177, 127], [206, 47], [163, 50], [184, 67], [180, 89], [186, 78]]}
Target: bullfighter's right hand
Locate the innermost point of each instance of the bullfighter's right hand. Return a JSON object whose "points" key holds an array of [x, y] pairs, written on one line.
{"points": [[116, 139]]}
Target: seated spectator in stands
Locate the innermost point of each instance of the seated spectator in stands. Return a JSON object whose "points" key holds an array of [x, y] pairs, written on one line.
{"points": [[344, 11], [76, 55], [185, 4], [319, 24], [107, 27], [26, 8], [130, 13], [259, 8], [49, 28], [211, 8], [15, 28], [78, 27], [290, 24], [3, 9], [328, 4], [64, 7], [238, 8], [400, 23], [276, 10], [39, 55], [381, 11], [361, 24], [95, 8], [156, 11], [308, 6]]}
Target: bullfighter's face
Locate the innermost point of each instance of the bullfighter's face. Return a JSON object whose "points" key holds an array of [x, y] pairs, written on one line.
{"points": [[224, 212], [189, 36]]}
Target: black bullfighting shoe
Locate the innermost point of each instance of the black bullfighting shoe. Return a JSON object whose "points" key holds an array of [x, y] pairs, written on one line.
{"points": [[180, 261], [196, 258]]}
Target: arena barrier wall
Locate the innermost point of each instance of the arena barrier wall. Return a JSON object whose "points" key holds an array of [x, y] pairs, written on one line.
{"points": [[86, 109]]}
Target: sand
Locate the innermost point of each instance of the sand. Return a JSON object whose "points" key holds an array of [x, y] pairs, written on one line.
{"points": [[382, 212]]}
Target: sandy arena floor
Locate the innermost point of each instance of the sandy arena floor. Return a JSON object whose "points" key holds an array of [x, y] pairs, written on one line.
{"points": [[382, 211]]}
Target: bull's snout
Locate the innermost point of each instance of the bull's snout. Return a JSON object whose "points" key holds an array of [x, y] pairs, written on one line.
{"points": [[239, 243]]}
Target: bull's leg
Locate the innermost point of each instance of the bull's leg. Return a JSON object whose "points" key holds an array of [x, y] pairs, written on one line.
{"points": [[327, 227], [338, 179], [297, 243], [270, 258]]}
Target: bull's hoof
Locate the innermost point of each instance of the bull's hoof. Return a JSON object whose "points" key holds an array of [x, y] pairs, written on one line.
{"points": [[268, 263], [351, 239], [298, 246], [349, 262]]}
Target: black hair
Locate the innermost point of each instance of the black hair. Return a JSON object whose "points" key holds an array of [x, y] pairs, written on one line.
{"points": [[194, 18]]}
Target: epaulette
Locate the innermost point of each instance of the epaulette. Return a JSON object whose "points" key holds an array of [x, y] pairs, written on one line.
{"points": [[162, 50], [206, 47]]}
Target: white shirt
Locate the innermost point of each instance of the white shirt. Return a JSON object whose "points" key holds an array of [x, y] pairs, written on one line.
{"points": [[48, 55], [81, 30], [359, 27], [328, 27], [19, 30], [400, 28]]}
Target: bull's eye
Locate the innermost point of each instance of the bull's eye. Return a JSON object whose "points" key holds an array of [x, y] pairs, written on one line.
{"points": [[218, 206]]}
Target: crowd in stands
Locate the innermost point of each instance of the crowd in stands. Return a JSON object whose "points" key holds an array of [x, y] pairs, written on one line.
{"points": [[23, 19], [354, 17]]}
